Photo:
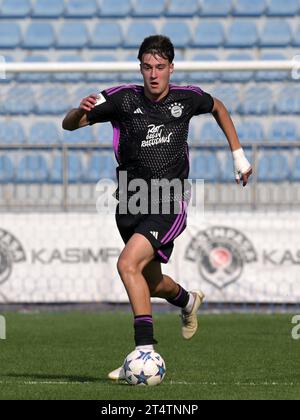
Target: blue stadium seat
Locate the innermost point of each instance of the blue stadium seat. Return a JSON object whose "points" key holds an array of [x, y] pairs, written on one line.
{"points": [[204, 165], [19, 101], [83, 135], [271, 76], [238, 76], [8, 77], [178, 76], [283, 131], [249, 8], [283, 8], [39, 35], [15, 8], [242, 34], [230, 96], [193, 137], [257, 101], [136, 33], [106, 35], [11, 132], [179, 8], [100, 166], [83, 92], [115, 8], [6, 169], [48, 9], [34, 77], [53, 100], [208, 76], [178, 32], [288, 101], [10, 35], [72, 35], [81, 9], [69, 77], [75, 169], [296, 38], [146, 8], [295, 173], [216, 8], [250, 131], [209, 34], [212, 133], [103, 77], [104, 134], [32, 169], [56, 170], [276, 33], [44, 132], [131, 77], [273, 167]]}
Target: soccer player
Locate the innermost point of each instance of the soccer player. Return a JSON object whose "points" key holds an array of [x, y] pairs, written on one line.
{"points": [[150, 142]]}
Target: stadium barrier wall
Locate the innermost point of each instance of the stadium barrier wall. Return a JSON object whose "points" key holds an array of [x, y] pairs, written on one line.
{"points": [[72, 257]]}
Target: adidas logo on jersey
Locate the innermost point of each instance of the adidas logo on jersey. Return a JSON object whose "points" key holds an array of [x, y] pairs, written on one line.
{"points": [[138, 111], [155, 234]]}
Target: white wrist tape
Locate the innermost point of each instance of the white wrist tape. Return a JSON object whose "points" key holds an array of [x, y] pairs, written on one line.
{"points": [[241, 163]]}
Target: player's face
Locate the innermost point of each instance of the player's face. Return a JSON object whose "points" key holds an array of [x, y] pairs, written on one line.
{"points": [[156, 72]]}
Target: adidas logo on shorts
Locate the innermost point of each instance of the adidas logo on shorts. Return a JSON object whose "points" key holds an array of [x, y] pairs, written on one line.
{"points": [[155, 234]]}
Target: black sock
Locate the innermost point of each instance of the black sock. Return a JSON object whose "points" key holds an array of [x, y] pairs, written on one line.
{"points": [[143, 330], [181, 299]]}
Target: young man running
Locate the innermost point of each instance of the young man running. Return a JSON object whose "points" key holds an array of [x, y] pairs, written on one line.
{"points": [[150, 142]]}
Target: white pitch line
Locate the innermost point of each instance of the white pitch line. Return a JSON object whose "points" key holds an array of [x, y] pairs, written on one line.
{"points": [[43, 383], [235, 383], [241, 384]]}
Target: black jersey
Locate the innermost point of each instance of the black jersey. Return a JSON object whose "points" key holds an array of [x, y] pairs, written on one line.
{"points": [[150, 138]]}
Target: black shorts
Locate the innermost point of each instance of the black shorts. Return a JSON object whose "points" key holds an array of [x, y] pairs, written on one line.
{"points": [[160, 229]]}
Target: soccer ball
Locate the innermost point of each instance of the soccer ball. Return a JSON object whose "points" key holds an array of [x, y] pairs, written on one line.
{"points": [[144, 367]]}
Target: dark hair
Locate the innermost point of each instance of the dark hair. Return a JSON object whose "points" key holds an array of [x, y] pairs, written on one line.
{"points": [[157, 44]]}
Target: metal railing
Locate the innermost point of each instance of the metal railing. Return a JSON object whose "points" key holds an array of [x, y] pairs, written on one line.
{"points": [[74, 196]]}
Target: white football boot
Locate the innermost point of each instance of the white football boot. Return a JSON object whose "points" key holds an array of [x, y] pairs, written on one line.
{"points": [[117, 374], [189, 319]]}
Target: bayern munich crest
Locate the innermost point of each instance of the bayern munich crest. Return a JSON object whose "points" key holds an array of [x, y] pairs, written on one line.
{"points": [[11, 252], [176, 109], [221, 254]]}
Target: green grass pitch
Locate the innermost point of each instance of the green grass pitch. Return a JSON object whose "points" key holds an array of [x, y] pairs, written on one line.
{"points": [[68, 355]]}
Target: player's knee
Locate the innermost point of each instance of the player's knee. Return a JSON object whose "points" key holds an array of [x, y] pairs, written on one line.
{"points": [[126, 267]]}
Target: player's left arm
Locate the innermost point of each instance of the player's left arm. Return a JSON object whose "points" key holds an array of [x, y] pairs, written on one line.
{"points": [[242, 167]]}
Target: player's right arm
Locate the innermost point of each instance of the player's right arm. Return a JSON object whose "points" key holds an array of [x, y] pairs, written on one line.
{"points": [[77, 118]]}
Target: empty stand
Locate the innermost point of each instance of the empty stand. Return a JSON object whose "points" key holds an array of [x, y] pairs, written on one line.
{"points": [[81, 9], [264, 104], [48, 9], [15, 8], [253, 8], [178, 8], [209, 34], [145, 8], [39, 35], [115, 8], [32, 169], [6, 169]]}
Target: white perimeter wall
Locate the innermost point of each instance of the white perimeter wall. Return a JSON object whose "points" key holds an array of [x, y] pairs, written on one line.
{"points": [[247, 257]]}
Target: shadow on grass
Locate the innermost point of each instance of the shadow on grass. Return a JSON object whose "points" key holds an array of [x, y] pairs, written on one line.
{"points": [[56, 378]]}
